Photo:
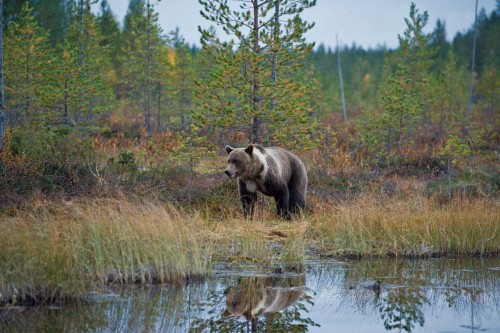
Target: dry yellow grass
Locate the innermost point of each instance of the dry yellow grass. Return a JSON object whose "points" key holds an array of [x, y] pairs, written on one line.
{"points": [[413, 227], [68, 250], [52, 252]]}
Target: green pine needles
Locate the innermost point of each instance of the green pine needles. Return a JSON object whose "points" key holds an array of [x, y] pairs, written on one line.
{"points": [[259, 87]]}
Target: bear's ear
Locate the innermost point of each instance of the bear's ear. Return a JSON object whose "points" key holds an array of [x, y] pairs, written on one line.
{"points": [[249, 149], [229, 149]]}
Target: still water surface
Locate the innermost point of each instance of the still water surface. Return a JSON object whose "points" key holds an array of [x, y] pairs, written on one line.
{"points": [[439, 295]]}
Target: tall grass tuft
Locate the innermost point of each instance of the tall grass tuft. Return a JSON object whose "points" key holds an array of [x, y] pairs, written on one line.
{"points": [[52, 252], [410, 227], [58, 252]]}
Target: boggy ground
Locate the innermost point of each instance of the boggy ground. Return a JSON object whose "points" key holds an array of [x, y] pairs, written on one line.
{"points": [[61, 250]]}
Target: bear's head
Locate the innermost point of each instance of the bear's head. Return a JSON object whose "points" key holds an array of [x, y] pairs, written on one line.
{"points": [[240, 162]]}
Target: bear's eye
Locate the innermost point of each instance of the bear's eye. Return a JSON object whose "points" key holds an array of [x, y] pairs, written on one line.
{"points": [[235, 162]]}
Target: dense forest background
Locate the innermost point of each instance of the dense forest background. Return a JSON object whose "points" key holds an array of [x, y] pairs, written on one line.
{"points": [[96, 106]]}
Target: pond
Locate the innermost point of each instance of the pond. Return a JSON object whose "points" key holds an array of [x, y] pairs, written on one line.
{"points": [[432, 295]]}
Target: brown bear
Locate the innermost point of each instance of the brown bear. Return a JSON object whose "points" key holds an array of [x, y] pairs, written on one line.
{"points": [[273, 171], [258, 296]]}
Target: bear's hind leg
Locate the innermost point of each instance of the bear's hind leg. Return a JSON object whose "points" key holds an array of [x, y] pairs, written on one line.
{"points": [[297, 201], [283, 204]]}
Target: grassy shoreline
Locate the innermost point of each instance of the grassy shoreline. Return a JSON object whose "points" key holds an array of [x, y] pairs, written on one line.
{"points": [[52, 252]]}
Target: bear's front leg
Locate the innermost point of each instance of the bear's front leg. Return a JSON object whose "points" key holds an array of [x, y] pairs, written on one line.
{"points": [[248, 199]]}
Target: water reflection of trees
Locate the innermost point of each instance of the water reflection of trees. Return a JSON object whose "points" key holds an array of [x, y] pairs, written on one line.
{"points": [[274, 303], [401, 290], [130, 309], [400, 308]]}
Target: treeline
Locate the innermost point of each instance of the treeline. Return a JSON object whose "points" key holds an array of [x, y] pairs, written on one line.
{"points": [[75, 74], [74, 67], [154, 71], [363, 70]]}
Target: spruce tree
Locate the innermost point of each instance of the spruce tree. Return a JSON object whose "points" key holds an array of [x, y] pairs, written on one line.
{"points": [[49, 14]]}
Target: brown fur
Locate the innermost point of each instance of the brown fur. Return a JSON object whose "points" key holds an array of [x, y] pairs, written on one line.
{"points": [[273, 171], [256, 296]]}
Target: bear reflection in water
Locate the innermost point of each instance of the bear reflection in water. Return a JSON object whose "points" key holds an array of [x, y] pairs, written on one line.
{"points": [[277, 303], [256, 296]]}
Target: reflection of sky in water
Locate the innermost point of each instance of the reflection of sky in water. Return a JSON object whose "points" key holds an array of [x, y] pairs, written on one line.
{"points": [[350, 304], [439, 317], [357, 296]]}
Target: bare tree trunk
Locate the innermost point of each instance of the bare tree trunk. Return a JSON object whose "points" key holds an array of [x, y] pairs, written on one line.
{"points": [[274, 59], [274, 51], [2, 98], [29, 117], [182, 97], [148, 72], [158, 124], [66, 98], [473, 62], [256, 85], [78, 111], [344, 112]]}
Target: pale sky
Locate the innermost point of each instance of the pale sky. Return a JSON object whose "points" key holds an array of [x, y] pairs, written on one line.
{"points": [[368, 23]]}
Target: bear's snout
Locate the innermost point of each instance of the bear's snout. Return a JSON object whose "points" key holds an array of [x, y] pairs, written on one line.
{"points": [[228, 173]]}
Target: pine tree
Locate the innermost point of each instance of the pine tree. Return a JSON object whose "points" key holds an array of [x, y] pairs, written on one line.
{"points": [[181, 79], [450, 97], [111, 38], [416, 53], [404, 101], [258, 87], [489, 88], [160, 76], [49, 14], [440, 44], [26, 59], [82, 75], [142, 41]]}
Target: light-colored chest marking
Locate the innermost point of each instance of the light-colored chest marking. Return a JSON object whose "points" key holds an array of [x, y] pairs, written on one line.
{"points": [[251, 186]]}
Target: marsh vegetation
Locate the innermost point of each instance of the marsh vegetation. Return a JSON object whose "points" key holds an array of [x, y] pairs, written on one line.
{"points": [[111, 166], [52, 252], [373, 295]]}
